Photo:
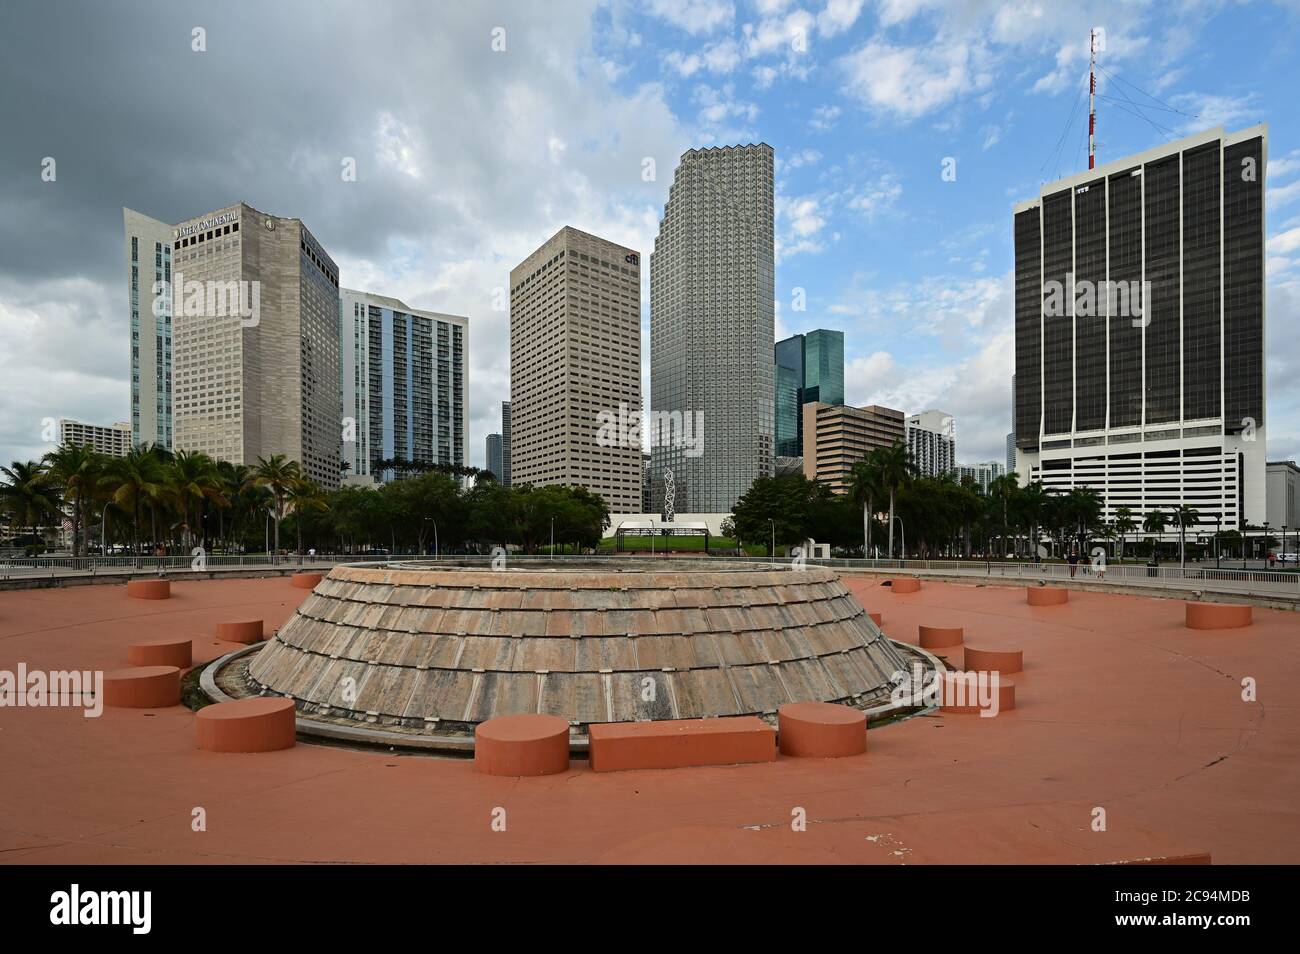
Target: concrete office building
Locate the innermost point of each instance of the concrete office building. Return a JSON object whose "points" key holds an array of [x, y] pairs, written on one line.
{"points": [[1283, 495], [575, 368], [1154, 398], [711, 324], [932, 439], [403, 386], [505, 443], [115, 441], [493, 457], [255, 341], [836, 437], [809, 368], [1011, 437], [148, 248]]}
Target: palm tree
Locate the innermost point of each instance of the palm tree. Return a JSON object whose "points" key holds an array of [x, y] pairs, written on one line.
{"points": [[1002, 489], [305, 496], [29, 493], [278, 475], [194, 481], [1124, 525], [1184, 517], [77, 470], [1154, 523], [895, 468], [138, 479], [864, 488]]}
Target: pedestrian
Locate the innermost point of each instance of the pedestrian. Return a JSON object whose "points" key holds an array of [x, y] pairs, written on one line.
{"points": [[1073, 560]]}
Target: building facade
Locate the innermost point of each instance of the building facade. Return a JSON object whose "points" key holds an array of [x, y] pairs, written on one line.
{"points": [[493, 456], [575, 368], [149, 273], [983, 474], [712, 284], [809, 368], [932, 440], [1283, 495], [836, 437], [1140, 328], [403, 384], [115, 441], [255, 342], [505, 443]]}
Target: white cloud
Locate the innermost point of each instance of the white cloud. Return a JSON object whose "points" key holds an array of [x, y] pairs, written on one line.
{"points": [[801, 157], [693, 16], [837, 16], [1285, 243], [1282, 195], [876, 197], [823, 118], [912, 81]]}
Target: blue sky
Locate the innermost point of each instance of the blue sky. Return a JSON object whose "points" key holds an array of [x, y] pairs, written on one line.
{"points": [[469, 157]]}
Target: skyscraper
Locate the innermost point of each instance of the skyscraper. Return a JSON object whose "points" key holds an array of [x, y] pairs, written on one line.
{"points": [[493, 456], [1140, 329], [712, 323], [1011, 436], [114, 441], [505, 444], [149, 272], [813, 365], [836, 437], [402, 377], [575, 368], [932, 439], [255, 343]]}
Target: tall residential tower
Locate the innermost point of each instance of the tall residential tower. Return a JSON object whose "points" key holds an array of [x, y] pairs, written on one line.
{"points": [[149, 270], [403, 383], [712, 326]]}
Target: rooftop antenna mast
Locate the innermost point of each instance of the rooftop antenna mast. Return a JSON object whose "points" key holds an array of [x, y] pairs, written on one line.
{"points": [[1092, 98]]}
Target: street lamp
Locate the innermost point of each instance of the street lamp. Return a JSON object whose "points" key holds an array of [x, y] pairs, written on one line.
{"points": [[773, 550], [1264, 552], [902, 532], [552, 538], [1218, 540]]}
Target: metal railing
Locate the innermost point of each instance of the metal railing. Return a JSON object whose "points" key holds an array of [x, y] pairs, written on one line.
{"points": [[1270, 582]]}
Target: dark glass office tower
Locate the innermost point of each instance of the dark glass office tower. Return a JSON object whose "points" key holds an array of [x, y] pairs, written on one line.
{"points": [[813, 365], [1139, 330]]}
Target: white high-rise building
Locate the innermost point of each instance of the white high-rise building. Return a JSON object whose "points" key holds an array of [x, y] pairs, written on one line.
{"points": [[403, 384], [115, 441], [149, 271], [1140, 329], [932, 439], [712, 327], [983, 473]]}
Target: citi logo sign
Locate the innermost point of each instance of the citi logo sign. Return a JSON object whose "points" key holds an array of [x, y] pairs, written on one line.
{"points": [[76, 907]]}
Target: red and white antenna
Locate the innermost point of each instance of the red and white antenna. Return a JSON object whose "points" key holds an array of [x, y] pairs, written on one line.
{"points": [[1092, 99]]}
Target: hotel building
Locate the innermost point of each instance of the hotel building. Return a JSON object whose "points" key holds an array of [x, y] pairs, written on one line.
{"points": [[575, 361], [403, 384], [932, 440], [1139, 329], [255, 341]]}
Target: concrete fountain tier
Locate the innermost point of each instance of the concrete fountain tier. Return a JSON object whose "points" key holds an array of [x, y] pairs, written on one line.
{"points": [[434, 650]]}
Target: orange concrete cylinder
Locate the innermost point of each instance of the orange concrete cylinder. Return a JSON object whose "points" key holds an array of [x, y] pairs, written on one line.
{"points": [[940, 637], [906, 584], [953, 703], [241, 631], [821, 730], [877, 618], [522, 745], [994, 660], [1047, 595], [149, 589], [305, 581], [260, 724], [1217, 615], [169, 651], [142, 687]]}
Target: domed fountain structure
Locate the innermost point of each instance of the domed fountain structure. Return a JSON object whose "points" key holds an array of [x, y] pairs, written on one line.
{"points": [[431, 650]]}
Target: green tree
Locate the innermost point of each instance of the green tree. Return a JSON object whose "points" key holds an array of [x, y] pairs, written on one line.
{"points": [[30, 494], [896, 470], [1184, 517], [1124, 525], [77, 471], [278, 475], [865, 488]]}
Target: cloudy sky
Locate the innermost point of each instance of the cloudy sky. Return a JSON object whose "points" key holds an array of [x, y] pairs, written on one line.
{"points": [[468, 157]]}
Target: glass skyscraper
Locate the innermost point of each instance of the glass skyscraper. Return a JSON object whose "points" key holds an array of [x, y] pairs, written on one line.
{"points": [[813, 366], [711, 321], [149, 271]]}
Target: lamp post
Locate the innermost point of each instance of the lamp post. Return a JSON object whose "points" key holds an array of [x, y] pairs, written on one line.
{"points": [[552, 556], [1218, 540], [1264, 552], [1283, 557], [902, 532], [772, 552]]}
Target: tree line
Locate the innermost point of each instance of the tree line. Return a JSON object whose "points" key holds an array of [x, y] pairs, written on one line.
{"points": [[153, 497]]}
